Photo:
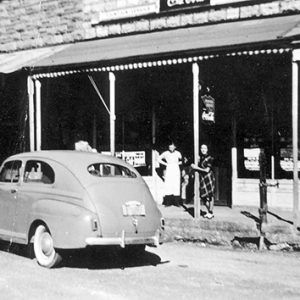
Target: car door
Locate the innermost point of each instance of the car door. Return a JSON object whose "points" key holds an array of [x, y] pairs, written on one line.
{"points": [[9, 184], [37, 184]]}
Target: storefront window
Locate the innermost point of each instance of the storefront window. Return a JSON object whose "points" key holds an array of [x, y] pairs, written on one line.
{"points": [[264, 116]]}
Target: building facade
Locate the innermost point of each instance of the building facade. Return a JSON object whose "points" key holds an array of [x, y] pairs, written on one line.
{"points": [[159, 62]]}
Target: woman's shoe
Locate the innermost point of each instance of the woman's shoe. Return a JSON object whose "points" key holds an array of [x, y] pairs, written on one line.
{"points": [[209, 216]]}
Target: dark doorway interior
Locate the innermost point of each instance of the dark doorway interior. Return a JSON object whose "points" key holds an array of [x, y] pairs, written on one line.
{"points": [[13, 114]]}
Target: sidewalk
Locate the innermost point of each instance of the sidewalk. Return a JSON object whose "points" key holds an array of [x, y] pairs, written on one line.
{"points": [[239, 224]]}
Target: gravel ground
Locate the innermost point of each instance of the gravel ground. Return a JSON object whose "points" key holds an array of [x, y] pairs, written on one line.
{"points": [[174, 270]]}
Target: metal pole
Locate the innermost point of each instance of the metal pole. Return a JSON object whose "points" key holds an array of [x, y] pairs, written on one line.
{"points": [[195, 69], [295, 89], [112, 80], [38, 115], [30, 90]]}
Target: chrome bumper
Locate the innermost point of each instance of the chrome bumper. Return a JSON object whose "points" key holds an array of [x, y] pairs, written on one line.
{"points": [[123, 240]]}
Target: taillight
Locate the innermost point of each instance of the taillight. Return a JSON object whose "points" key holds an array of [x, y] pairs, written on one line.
{"points": [[162, 223], [94, 224]]}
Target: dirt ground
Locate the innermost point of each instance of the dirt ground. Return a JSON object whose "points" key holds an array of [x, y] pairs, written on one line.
{"points": [[172, 271]]}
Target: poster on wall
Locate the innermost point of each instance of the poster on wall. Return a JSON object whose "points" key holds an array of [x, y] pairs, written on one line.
{"points": [[134, 158], [174, 4], [251, 159], [286, 159]]}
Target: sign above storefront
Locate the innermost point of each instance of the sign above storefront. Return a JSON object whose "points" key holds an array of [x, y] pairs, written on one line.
{"points": [[220, 2], [173, 4], [109, 13]]}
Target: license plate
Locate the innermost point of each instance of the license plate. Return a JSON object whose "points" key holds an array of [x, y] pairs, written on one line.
{"points": [[133, 209]]}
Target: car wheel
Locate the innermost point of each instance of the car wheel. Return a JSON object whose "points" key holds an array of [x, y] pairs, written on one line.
{"points": [[44, 251]]}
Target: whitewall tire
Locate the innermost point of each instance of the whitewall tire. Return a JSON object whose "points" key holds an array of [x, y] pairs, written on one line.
{"points": [[44, 251]]}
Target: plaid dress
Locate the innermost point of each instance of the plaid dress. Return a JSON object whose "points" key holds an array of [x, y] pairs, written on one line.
{"points": [[207, 180]]}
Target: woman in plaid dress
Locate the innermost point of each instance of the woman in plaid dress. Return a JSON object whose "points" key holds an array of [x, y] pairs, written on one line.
{"points": [[207, 180]]}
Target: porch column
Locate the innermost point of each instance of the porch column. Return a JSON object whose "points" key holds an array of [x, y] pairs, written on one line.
{"points": [[38, 115], [30, 91], [234, 173], [295, 91], [195, 69], [112, 80]]}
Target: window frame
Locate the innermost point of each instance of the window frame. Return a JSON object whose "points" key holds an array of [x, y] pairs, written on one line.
{"points": [[123, 169], [19, 171], [36, 174]]}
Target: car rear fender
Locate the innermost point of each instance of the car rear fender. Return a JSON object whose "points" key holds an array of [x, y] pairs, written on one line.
{"points": [[68, 223], [109, 198]]}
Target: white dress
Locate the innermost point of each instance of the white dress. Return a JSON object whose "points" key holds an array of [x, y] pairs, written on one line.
{"points": [[172, 175]]}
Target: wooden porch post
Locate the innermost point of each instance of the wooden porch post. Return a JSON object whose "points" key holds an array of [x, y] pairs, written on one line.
{"points": [[38, 115], [295, 91], [112, 80], [195, 69], [30, 90]]}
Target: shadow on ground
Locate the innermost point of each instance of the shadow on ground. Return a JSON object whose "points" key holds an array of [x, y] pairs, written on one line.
{"points": [[94, 258], [253, 217], [245, 241], [191, 210], [258, 221], [108, 258]]}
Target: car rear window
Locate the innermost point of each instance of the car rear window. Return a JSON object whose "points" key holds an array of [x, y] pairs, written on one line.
{"points": [[110, 170]]}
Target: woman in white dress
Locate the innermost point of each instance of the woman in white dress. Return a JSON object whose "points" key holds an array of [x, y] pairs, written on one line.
{"points": [[172, 160]]}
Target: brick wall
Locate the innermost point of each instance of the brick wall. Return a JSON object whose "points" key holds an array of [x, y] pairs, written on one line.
{"points": [[37, 23]]}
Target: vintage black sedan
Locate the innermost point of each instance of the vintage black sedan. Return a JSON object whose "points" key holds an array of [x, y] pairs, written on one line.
{"points": [[52, 200]]}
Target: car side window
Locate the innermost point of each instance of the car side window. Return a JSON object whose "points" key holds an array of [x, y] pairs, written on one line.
{"points": [[39, 172], [11, 171], [110, 170]]}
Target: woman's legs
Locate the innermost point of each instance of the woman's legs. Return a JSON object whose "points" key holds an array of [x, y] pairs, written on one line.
{"points": [[209, 203]]}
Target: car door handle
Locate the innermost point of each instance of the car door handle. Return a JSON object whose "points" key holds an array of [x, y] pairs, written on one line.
{"points": [[13, 191]]}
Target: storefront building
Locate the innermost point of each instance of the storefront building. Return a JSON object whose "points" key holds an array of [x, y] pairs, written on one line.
{"points": [[130, 75]]}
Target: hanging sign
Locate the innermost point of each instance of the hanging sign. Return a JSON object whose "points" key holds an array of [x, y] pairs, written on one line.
{"points": [[174, 4], [208, 113], [251, 159]]}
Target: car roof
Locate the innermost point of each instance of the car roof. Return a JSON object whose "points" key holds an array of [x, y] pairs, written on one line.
{"points": [[75, 161]]}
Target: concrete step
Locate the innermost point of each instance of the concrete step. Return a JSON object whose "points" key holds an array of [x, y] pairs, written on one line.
{"points": [[240, 224]]}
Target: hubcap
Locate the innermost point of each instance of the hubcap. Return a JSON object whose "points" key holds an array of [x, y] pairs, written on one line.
{"points": [[47, 244]]}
